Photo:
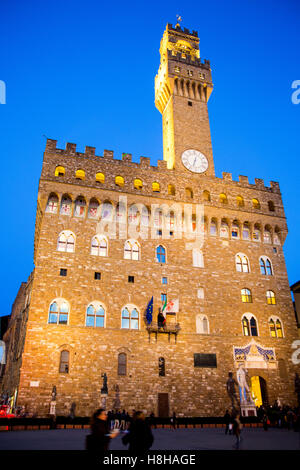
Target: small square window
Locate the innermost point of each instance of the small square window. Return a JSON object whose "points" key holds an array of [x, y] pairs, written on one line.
{"points": [[63, 272], [164, 280], [159, 233], [131, 279], [274, 249], [190, 103], [163, 297], [97, 276]]}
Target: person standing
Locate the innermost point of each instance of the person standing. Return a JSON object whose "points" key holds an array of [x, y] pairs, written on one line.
{"points": [[139, 436], [174, 421], [237, 427], [99, 439]]}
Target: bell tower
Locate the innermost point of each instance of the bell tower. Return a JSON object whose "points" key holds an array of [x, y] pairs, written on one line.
{"points": [[183, 86]]}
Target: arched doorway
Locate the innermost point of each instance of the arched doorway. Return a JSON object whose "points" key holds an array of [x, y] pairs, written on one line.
{"points": [[259, 392]]}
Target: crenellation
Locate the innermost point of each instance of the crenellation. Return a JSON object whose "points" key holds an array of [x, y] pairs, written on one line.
{"points": [[244, 180], [108, 154], [51, 145], [162, 165], [275, 187], [259, 183], [144, 162], [90, 151], [70, 148], [127, 157], [227, 176]]}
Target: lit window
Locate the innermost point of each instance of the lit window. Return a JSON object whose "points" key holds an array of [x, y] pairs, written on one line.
{"points": [[255, 204], [240, 201], [189, 193], [80, 174], [100, 177], [249, 325], [246, 295], [271, 299], [130, 318], [275, 328], [138, 184], [223, 198], [95, 315], [60, 171], [119, 180], [155, 187]]}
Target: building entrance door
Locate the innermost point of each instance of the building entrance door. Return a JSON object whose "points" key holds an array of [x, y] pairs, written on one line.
{"points": [[163, 405], [259, 391]]}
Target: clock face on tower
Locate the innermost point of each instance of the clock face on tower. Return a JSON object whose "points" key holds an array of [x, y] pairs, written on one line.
{"points": [[194, 161]]}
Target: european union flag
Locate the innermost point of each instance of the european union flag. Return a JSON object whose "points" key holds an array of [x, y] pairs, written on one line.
{"points": [[149, 311]]}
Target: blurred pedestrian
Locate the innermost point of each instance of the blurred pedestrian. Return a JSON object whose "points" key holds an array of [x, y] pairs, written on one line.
{"points": [[99, 439], [237, 428], [139, 436], [173, 421]]}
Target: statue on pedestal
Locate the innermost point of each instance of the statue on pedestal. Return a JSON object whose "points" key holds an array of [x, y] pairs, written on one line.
{"points": [[245, 394], [104, 389], [230, 385]]}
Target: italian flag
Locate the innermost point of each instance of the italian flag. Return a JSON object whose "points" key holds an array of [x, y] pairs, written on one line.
{"points": [[164, 309]]}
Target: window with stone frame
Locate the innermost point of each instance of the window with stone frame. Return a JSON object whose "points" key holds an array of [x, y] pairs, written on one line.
{"points": [[64, 362], [122, 364]]}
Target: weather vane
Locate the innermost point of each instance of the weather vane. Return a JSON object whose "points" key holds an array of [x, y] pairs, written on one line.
{"points": [[179, 19]]}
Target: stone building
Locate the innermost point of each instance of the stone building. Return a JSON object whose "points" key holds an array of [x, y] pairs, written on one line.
{"points": [[113, 234]]}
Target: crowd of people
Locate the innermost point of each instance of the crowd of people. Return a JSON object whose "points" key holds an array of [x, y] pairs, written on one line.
{"points": [[279, 416]]}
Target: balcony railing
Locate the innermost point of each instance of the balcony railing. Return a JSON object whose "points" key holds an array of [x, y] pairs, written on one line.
{"points": [[169, 328]]}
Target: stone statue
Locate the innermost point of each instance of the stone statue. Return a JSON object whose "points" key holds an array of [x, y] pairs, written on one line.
{"points": [[245, 394], [230, 385], [104, 389], [53, 394]]}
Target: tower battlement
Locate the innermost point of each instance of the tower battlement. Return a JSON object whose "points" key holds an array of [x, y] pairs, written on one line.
{"points": [[188, 59], [178, 28], [144, 164]]}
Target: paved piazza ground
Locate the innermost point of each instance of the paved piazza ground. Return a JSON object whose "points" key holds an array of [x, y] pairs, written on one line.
{"points": [[164, 439]]}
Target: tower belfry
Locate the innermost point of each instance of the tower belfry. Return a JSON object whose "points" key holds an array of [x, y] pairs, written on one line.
{"points": [[183, 86]]}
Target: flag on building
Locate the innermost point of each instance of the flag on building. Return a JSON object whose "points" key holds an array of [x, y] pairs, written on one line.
{"points": [[163, 309], [172, 306], [149, 311]]}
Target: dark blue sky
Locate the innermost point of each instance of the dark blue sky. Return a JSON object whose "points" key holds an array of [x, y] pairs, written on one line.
{"points": [[83, 72]]}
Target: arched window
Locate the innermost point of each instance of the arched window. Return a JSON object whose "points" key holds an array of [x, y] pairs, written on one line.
{"points": [[130, 318], [106, 212], [246, 295], [94, 209], [95, 315], [171, 189], [60, 171], [66, 205], [138, 184], [255, 203], [276, 238], [224, 230], [64, 362], [100, 177], [271, 206], [206, 196], [132, 250], [58, 312], [275, 327], [267, 235], [133, 215], [256, 233], [189, 193], [246, 231], [265, 266], [249, 325], [242, 263], [66, 241], [122, 364], [240, 201], [223, 198], [202, 326], [80, 174], [99, 246], [213, 227], [235, 230], [161, 254], [245, 324], [119, 181], [80, 206], [155, 187], [52, 204], [271, 299]]}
